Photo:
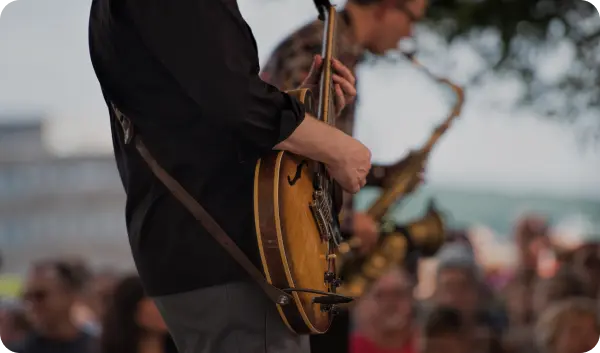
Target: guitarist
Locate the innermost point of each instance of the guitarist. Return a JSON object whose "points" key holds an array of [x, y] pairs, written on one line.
{"points": [[365, 25], [375, 26], [181, 82]]}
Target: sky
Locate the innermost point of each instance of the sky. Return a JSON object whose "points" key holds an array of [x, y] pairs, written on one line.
{"points": [[46, 71]]}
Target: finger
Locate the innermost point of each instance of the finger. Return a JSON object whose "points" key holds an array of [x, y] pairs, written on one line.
{"points": [[343, 71], [317, 61], [363, 172], [350, 99], [340, 100], [314, 69], [362, 179], [358, 184], [363, 182], [347, 87], [350, 186]]}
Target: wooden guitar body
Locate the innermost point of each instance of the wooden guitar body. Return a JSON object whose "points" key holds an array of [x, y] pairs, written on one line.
{"points": [[293, 252]]}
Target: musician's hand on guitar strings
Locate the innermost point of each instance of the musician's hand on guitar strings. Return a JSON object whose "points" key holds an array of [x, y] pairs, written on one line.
{"points": [[345, 86], [343, 80], [340, 100], [312, 79]]}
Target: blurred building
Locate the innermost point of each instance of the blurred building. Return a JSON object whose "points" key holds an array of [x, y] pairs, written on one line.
{"points": [[52, 205]]}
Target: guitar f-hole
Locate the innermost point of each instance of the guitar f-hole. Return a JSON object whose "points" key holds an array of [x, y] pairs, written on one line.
{"points": [[298, 174]]}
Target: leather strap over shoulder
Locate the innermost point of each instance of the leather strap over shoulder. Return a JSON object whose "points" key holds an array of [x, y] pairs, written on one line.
{"points": [[275, 294]]}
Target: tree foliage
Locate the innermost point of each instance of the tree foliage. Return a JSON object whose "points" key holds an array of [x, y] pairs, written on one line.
{"points": [[527, 34]]}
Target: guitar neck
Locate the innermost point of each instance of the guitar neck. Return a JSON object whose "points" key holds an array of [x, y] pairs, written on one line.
{"points": [[326, 112]]}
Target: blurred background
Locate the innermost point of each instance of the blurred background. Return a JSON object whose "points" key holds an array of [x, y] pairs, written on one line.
{"points": [[526, 141], [525, 147]]}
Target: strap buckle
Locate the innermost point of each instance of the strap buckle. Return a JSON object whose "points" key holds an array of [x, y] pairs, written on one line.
{"points": [[125, 124]]}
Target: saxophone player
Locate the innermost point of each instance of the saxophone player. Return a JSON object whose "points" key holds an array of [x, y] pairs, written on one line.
{"points": [[374, 26]]}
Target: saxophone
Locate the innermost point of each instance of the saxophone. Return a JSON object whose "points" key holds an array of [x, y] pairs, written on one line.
{"points": [[423, 236], [405, 180]]}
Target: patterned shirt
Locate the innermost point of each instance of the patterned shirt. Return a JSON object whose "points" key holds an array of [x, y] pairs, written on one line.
{"points": [[291, 61]]}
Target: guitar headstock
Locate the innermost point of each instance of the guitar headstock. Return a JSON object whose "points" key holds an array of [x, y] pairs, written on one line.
{"points": [[323, 7]]}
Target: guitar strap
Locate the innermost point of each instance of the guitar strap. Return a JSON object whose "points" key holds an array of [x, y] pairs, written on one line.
{"points": [[275, 294]]}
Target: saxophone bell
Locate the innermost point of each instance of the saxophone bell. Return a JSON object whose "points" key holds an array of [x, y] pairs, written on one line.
{"points": [[428, 233]]}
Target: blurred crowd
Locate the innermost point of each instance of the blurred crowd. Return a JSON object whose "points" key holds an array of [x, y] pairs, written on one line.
{"points": [[65, 307], [536, 309]]}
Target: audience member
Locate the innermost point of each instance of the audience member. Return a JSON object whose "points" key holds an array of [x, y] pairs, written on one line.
{"points": [[564, 285], [14, 326], [132, 323], [51, 289], [385, 316], [568, 326], [97, 294]]}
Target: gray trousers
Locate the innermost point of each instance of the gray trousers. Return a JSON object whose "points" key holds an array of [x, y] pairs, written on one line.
{"points": [[231, 318]]}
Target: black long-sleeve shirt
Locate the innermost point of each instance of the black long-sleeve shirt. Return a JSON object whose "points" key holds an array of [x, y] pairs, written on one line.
{"points": [[186, 74]]}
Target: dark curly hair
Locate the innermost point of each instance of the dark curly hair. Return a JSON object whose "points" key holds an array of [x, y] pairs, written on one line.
{"points": [[120, 332]]}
